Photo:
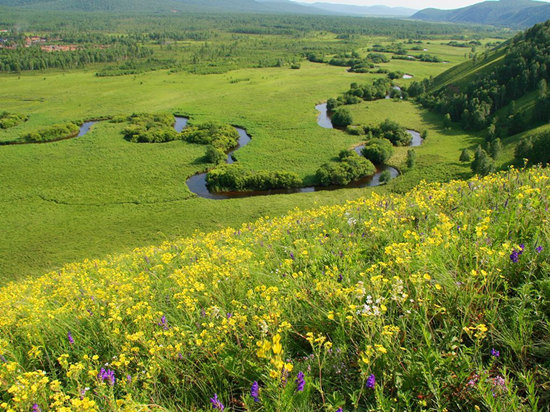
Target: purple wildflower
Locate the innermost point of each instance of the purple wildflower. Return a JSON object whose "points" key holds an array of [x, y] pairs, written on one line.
{"points": [[292, 255], [300, 382], [229, 315], [495, 353], [371, 381], [255, 391], [129, 378], [339, 410], [36, 408], [107, 375], [70, 337], [216, 403], [514, 256], [163, 322], [538, 249]]}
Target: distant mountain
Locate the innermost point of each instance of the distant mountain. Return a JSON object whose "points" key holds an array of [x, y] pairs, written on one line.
{"points": [[211, 6], [509, 13], [352, 10], [206, 6]]}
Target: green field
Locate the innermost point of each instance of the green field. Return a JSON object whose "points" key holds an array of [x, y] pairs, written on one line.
{"points": [[99, 194]]}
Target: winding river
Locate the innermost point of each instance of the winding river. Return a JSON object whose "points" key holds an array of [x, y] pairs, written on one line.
{"points": [[197, 183]]}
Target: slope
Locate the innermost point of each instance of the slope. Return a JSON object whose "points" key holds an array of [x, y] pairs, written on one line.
{"points": [[433, 300], [509, 13], [481, 93]]}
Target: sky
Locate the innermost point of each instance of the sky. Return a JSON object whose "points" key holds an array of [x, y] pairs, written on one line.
{"points": [[413, 4]]}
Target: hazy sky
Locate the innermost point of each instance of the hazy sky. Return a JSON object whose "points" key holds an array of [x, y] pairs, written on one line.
{"points": [[413, 4]]}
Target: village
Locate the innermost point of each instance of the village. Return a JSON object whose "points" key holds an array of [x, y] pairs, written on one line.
{"points": [[29, 41]]}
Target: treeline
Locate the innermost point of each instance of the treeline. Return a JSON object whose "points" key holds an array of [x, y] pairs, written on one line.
{"points": [[8, 119], [525, 68], [230, 178], [34, 58]]}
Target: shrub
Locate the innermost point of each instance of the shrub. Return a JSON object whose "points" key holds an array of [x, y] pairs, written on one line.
{"points": [[411, 158], [235, 178], [378, 151], [385, 176], [342, 117], [51, 133], [223, 137], [349, 168], [465, 156], [8, 120], [214, 155], [150, 128], [332, 104], [482, 163], [395, 133]]}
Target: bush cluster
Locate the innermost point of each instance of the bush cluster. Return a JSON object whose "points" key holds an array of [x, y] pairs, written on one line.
{"points": [[223, 137], [8, 120], [150, 128], [391, 131], [51, 133], [379, 89], [349, 168], [378, 151], [228, 178]]}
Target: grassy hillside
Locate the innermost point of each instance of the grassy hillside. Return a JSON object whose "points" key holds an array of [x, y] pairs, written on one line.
{"points": [[433, 300]]}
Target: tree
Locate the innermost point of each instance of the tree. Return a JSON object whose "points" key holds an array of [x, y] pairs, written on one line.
{"points": [[465, 156], [411, 158], [496, 149], [342, 117], [482, 164]]}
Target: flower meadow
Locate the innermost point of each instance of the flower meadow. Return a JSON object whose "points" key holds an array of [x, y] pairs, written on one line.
{"points": [[434, 300]]}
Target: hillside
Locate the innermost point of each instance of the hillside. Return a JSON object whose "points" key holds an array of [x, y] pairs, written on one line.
{"points": [[433, 300], [196, 6], [509, 13], [482, 93]]}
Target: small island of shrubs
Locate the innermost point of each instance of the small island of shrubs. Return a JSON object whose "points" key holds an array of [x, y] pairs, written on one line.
{"points": [[52, 133], [349, 168], [229, 178]]}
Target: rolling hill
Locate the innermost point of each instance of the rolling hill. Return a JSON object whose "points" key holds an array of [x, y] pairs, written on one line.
{"points": [[509, 13]]}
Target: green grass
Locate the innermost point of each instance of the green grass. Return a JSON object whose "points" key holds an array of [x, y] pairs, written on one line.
{"points": [[100, 194], [432, 300]]}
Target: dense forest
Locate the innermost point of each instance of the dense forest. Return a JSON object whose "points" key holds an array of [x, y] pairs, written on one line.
{"points": [[488, 101], [200, 43]]}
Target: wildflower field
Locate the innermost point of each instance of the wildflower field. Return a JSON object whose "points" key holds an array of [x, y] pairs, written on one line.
{"points": [[434, 300]]}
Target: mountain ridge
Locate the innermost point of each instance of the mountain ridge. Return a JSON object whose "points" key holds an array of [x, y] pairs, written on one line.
{"points": [[509, 13]]}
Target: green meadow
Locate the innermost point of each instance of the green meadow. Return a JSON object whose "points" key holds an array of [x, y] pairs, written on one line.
{"points": [[100, 194]]}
